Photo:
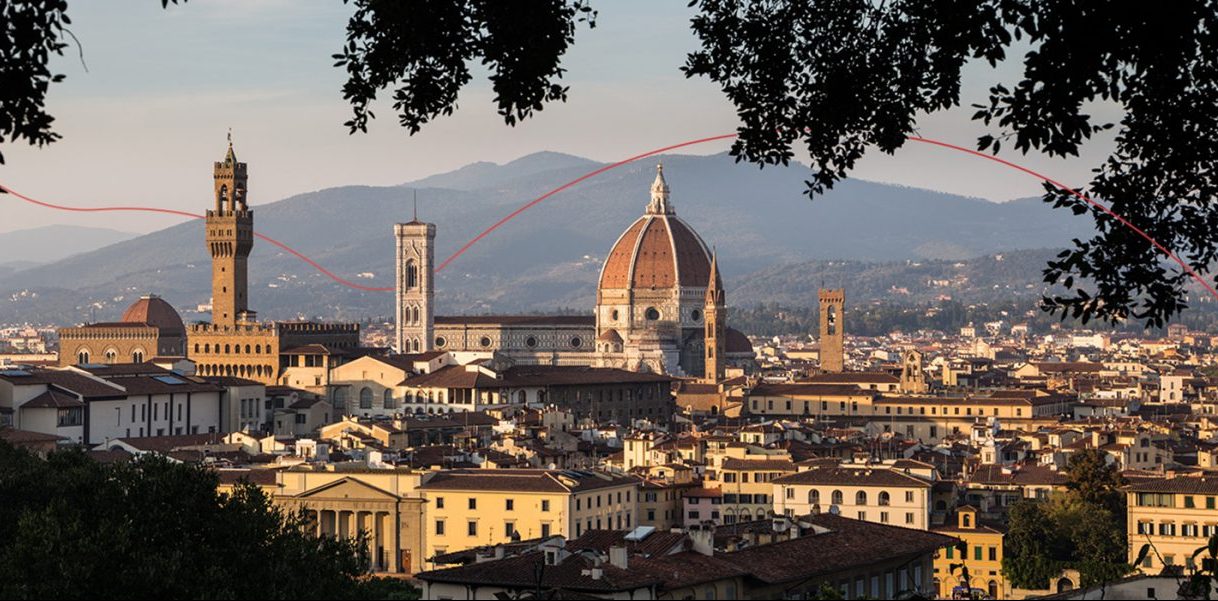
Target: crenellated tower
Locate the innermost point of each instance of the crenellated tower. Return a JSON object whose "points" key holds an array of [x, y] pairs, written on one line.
{"points": [[230, 237], [832, 329], [715, 312]]}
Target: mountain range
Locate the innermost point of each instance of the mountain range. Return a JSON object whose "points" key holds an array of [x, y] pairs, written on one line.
{"points": [[763, 226]]}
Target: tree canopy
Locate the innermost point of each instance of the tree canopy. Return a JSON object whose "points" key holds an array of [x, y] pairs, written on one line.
{"points": [[1083, 528], [835, 79], [71, 527]]}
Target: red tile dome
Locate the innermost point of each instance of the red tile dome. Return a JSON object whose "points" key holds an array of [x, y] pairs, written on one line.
{"points": [[657, 251], [154, 311]]}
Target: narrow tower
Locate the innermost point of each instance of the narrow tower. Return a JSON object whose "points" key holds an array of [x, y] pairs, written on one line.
{"points": [[913, 379], [716, 318], [415, 286], [832, 329], [230, 237]]}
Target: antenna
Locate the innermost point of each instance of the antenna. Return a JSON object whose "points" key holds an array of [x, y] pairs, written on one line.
{"points": [[416, 204]]}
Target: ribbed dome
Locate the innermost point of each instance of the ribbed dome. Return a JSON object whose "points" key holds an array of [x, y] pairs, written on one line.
{"points": [[152, 310], [657, 251]]}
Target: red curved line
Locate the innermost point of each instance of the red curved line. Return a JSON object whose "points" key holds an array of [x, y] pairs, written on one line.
{"points": [[1106, 210], [285, 247], [1189, 270], [577, 180]]}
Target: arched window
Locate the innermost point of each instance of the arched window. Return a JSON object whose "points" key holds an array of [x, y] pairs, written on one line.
{"points": [[111, 355], [813, 496], [885, 499], [541, 396], [860, 498], [207, 348], [993, 589], [837, 497], [247, 349], [388, 398], [417, 347], [521, 397], [412, 274], [365, 398], [227, 349], [340, 398], [415, 312], [236, 349], [224, 206], [196, 347], [82, 357], [137, 356]]}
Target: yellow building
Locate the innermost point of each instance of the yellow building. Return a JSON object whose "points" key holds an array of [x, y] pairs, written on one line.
{"points": [[472, 508], [872, 493], [982, 546], [746, 486], [384, 503], [1176, 515]]}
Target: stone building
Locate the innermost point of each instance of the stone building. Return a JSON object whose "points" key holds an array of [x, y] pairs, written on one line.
{"points": [[149, 328], [235, 343], [650, 315], [832, 330]]}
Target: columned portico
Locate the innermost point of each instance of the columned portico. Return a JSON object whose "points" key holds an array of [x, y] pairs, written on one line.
{"points": [[346, 508]]}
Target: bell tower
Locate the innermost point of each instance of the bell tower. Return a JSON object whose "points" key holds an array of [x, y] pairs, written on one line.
{"points": [[230, 237], [715, 315], [832, 314], [415, 316], [913, 379]]}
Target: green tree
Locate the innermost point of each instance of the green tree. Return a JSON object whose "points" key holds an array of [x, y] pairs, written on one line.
{"points": [[1031, 546], [1096, 481], [839, 78], [1082, 528], [151, 529]]}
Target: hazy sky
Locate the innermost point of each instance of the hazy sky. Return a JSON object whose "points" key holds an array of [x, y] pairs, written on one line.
{"points": [[145, 123]]}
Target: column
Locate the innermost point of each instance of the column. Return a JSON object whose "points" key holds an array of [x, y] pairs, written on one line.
{"points": [[390, 536], [377, 536], [316, 514], [343, 529]]}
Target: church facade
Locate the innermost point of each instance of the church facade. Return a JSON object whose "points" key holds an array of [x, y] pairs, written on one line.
{"points": [[660, 306]]}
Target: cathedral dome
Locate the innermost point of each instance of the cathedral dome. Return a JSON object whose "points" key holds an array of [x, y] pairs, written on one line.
{"points": [[657, 251], [154, 311]]}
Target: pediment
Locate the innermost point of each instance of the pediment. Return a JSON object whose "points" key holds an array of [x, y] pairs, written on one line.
{"points": [[348, 488]]}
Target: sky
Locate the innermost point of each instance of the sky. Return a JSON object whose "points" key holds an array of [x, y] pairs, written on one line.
{"points": [[144, 123]]}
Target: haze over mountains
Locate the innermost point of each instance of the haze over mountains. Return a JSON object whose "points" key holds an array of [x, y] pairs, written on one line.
{"points": [[550, 256]]}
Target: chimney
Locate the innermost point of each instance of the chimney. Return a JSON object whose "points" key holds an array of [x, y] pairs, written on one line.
{"points": [[619, 558], [703, 539]]}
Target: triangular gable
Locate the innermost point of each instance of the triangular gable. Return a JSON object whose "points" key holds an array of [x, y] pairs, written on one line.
{"points": [[348, 488]]}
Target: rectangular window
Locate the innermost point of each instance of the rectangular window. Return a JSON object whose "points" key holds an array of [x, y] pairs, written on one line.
{"points": [[950, 551], [473, 503], [439, 502], [909, 496], [909, 517], [545, 530], [471, 528], [509, 505], [545, 504], [1188, 502], [883, 517], [977, 551], [993, 553], [439, 527], [1209, 502], [509, 528]]}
